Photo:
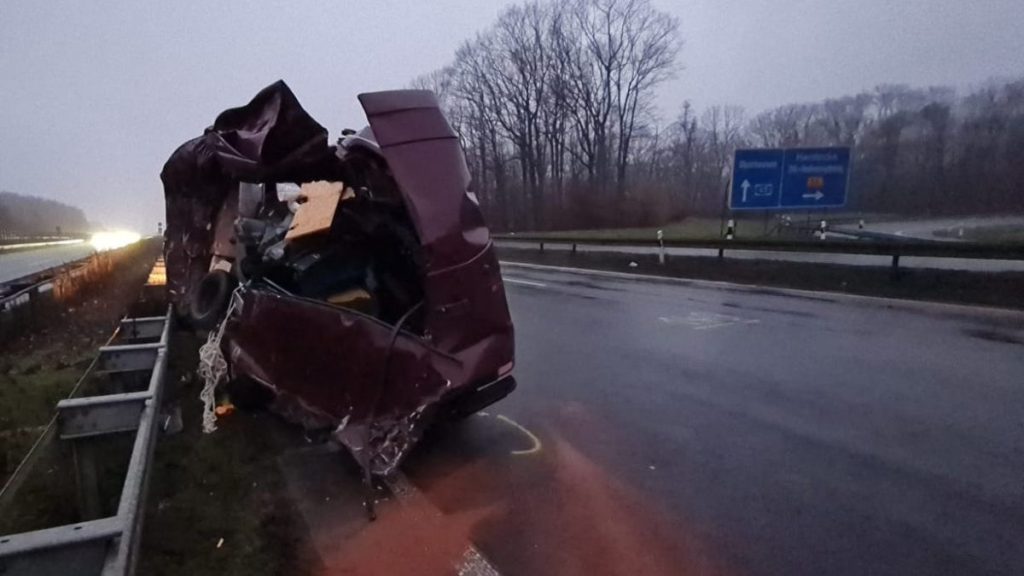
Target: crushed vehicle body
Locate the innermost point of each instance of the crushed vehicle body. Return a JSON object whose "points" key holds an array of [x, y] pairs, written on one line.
{"points": [[354, 283]]}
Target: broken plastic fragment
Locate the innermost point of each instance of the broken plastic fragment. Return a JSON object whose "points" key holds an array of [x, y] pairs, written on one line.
{"points": [[316, 214]]}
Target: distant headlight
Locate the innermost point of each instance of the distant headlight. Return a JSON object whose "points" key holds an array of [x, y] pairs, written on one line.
{"points": [[102, 241]]}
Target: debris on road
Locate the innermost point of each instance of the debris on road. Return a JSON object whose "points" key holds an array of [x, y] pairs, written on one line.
{"points": [[354, 288]]}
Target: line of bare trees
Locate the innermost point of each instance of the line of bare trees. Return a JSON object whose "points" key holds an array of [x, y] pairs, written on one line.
{"points": [[554, 107]]}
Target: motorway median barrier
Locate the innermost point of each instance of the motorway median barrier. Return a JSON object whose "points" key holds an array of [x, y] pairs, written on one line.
{"points": [[893, 249]]}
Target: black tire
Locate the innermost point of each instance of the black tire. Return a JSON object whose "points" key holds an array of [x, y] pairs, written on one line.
{"points": [[249, 395], [211, 299]]}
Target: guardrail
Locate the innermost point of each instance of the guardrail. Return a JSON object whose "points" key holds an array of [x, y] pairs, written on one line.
{"points": [[6, 239], [35, 283], [100, 545], [893, 249], [24, 295]]}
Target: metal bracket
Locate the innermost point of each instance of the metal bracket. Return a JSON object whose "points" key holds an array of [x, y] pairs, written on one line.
{"points": [[142, 328], [98, 415], [52, 551], [128, 357]]}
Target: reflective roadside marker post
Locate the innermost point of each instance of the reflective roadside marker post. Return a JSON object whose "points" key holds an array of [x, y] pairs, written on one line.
{"points": [[730, 231], [823, 230], [661, 247]]}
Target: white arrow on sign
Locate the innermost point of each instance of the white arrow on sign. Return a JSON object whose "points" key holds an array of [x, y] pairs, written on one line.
{"points": [[817, 195], [745, 185]]}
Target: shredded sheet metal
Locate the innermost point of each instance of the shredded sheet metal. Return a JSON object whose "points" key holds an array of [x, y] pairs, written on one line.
{"points": [[376, 389]]}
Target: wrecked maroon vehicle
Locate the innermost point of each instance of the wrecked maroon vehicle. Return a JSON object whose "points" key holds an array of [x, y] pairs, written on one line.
{"points": [[390, 315]]}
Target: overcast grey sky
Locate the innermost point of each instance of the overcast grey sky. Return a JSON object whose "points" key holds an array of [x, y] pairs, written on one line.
{"points": [[95, 95]]}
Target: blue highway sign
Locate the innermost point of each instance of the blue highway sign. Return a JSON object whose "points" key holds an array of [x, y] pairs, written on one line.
{"points": [[788, 179], [757, 179]]}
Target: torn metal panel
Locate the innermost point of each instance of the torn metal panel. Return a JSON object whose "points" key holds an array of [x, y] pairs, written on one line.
{"points": [[356, 369], [270, 139]]}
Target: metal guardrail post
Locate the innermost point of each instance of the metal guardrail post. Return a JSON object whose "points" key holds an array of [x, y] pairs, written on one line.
{"points": [[136, 483], [143, 327], [128, 357], [69, 549], [87, 478], [101, 415]]}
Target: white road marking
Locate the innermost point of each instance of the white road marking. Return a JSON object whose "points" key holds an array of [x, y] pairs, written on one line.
{"points": [[707, 320], [526, 282], [536, 441]]}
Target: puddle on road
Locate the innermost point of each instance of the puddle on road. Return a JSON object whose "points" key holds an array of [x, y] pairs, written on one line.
{"points": [[706, 320], [781, 293], [993, 335], [795, 313], [592, 286]]}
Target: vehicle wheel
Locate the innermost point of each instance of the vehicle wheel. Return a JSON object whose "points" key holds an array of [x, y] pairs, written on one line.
{"points": [[247, 394], [211, 299]]}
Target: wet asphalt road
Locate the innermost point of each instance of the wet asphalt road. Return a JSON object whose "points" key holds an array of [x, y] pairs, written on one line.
{"points": [[15, 265], [686, 428]]}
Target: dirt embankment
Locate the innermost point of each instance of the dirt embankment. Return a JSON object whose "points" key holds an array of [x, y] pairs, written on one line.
{"points": [[40, 364], [1002, 289]]}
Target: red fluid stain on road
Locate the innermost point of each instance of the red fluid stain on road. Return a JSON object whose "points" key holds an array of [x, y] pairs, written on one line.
{"points": [[556, 511], [409, 537]]}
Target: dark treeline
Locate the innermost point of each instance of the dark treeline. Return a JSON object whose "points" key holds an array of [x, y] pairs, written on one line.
{"points": [[554, 107], [31, 216]]}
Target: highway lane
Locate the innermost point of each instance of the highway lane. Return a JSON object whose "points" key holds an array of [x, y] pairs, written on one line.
{"points": [[21, 263], [675, 427]]}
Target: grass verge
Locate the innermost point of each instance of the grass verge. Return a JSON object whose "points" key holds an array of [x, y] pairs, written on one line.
{"points": [[218, 504]]}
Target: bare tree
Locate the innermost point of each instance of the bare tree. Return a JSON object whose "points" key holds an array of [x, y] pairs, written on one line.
{"points": [[553, 104], [650, 43]]}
